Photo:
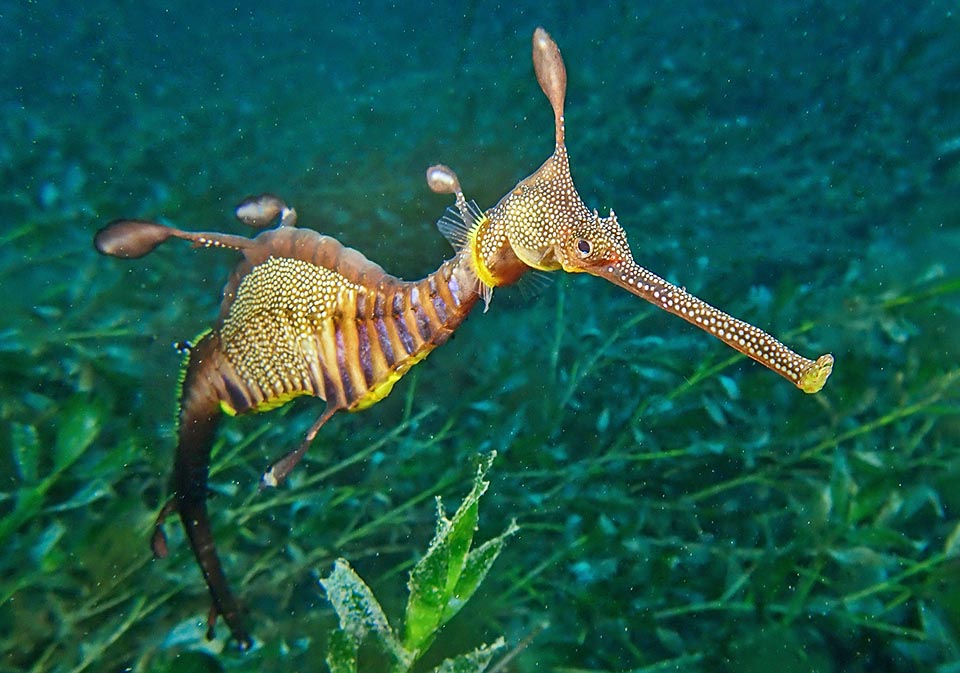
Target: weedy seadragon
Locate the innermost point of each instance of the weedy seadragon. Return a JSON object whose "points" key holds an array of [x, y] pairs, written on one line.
{"points": [[304, 315]]}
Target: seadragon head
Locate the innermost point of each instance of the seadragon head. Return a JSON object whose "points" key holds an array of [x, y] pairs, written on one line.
{"points": [[542, 223]]}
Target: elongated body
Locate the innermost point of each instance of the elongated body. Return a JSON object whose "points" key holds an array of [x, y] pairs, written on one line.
{"points": [[304, 315]]}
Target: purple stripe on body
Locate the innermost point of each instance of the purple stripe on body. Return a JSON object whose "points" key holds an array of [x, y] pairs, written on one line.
{"points": [[348, 391], [366, 361], [385, 345]]}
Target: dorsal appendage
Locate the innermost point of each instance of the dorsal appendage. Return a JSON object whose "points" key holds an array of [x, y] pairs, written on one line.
{"points": [[130, 239], [543, 224], [442, 180], [261, 211], [552, 76], [462, 225]]}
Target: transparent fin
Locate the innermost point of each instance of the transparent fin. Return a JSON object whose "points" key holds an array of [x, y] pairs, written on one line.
{"points": [[456, 223]]}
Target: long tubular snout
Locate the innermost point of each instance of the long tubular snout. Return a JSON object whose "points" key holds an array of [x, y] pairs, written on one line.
{"points": [[808, 375]]}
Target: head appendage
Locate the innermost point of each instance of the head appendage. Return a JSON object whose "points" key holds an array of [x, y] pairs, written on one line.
{"points": [[552, 76]]}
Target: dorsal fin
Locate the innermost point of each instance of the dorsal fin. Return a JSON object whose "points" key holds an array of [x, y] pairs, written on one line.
{"points": [[533, 284], [455, 228], [456, 225]]}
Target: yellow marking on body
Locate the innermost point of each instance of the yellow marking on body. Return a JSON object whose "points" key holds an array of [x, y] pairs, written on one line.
{"points": [[278, 401], [382, 389], [266, 405], [484, 273]]}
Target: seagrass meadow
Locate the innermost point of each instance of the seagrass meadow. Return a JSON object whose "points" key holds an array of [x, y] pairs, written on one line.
{"points": [[678, 507]]}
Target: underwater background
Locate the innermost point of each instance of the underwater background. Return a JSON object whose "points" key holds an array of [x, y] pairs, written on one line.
{"points": [[681, 508]]}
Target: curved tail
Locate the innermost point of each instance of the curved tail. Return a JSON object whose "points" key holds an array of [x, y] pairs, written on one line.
{"points": [[200, 414]]}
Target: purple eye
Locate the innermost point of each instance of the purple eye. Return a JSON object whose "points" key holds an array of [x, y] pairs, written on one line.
{"points": [[584, 247]]}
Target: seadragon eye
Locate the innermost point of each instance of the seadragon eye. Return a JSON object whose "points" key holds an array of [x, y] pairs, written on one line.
{"points": [[584, 247]]}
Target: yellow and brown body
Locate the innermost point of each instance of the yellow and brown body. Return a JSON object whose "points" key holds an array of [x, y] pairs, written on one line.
{"points": [[304, 315], [301, 315]]}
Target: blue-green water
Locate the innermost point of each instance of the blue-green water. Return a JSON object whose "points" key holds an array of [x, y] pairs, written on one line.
{"points": [[797, 164]]}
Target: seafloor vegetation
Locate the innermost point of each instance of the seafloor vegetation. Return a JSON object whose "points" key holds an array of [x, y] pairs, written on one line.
{"points": [[797, 164]]}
